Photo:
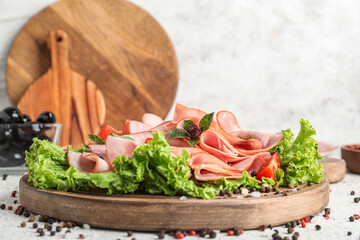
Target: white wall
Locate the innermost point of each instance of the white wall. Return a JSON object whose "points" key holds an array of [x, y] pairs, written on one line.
{"points": [[270, 62]]}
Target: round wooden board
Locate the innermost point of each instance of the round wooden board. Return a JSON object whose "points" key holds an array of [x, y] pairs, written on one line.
{"points": [[118, 45], [335, 169], [153, 212]]}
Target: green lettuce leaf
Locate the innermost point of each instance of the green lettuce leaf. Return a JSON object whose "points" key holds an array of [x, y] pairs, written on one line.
{"points": [[298, 157]]}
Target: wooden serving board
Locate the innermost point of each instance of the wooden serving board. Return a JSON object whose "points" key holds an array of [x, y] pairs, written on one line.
{"points": [[153, 212], [115, 43], [335, 169]]}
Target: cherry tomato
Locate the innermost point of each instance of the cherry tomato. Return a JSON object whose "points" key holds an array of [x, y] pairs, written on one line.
{"points": [[269, 167], [106, 130]]}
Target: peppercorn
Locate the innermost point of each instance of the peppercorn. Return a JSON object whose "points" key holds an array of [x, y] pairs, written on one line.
{"points": [[297, 234], [285, 193], [31, 219], [133, 238], [49, 228], [253, 189], [356, 199], [262, 189], [267, 189], [9, 207], [349, 233], [13, 194], [311, 217], [68, 224], [290, 230], [21, 212], [58, 228], [275, 235], [286, 238], [35, 225], [39, 230], [287, 225], [270, 227], [52, 233], [129, 233], [42, 233], [23, 224], [253, 174], [317, 227], [222, 193], [68, 231], [310, 184], [81, 236], [4, 177], [212, 234], [277, 193], [293, 224], [46, 225], [351, 219], [230, 233], [50, 220], [352, 193], [236, 232], [295, 237], [191, 233], [297, 222], [203, 233], [327, 211], [2, 206], [161, 234], [15, 201], [262, 228], [236, 191]]}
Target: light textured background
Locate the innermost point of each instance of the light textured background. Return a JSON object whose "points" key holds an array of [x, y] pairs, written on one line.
{"points": [[270, 63]]}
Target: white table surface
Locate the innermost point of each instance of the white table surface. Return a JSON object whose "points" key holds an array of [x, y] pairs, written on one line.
{"points": [[341, 204]]}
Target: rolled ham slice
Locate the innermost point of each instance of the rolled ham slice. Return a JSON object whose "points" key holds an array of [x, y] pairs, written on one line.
{"points": [[133, 126], [151, 119], [116, 146], [141, 137], [99, 149], [208, 167], [252, 162], [259, 161], [190, 150], [88, 162], [182, 111]]}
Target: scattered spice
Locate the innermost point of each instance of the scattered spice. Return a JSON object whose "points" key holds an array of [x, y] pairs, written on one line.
{"points": [[133, 238], [290, 230], [275, 235], [293, 224], [35, 225], [81, 236], [15, 201], [310, 184], [262, 189], [317, 227], [129, 233], [52, 233], [262, 228], [327, 211], [31, 219], [2, 206], [39, 230], [13, 194], [356, 216], [179, 235], [356, 199], [50, 220], [161, 234], [212, 234], [230, 233], [286, 238], [58, 228], [26, 214], [351, 219], [327, 217], [42, 233], [192, 233], [49, 228], [303, 224], [275, 189], [352, 193], [222, 192], [4, 177], [69, 225], [267, 189], [285, 193], [9, 207], [23, 224], [46, 225], [236, 191], [306, 220], [68, 231], [349, 233]]}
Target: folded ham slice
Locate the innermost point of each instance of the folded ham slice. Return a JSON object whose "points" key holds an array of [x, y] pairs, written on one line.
{"points": [[190, 150], [259, 161], [88, 162], [182, 111], [208, 167], [151, 119], [140, 137], [99, 149], [133, 126], [116, 146]]}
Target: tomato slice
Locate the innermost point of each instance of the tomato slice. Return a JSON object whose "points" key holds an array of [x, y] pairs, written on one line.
{"points": [[269, 167], [148, 139], [106, 130]]}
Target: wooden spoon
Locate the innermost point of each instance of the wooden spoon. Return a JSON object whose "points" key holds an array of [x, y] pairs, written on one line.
{"points": [[76, 101]]}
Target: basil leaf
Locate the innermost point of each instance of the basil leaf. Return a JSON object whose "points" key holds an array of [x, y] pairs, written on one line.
{"points": [[123, 137], [178, 133], [96, 139], [206, 122], [188, 124], [193, 142]]}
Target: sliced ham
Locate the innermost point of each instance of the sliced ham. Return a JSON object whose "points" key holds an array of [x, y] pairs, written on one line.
{"points": [[151, 119], [208, 167], [182, 111], [88, 162], [252, 162], [190, 150], [164, 126], [259, 161], [133, 126], [178, 142], [227, 121], [140, 137], [99, 149], [116, 146], [216, 144]]}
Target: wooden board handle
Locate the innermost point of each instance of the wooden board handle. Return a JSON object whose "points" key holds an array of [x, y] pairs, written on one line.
{"points": [[59, 49]]}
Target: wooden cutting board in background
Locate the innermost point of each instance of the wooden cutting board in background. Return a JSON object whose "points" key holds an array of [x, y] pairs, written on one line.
{"points": [[75, 100], [115, 43]]}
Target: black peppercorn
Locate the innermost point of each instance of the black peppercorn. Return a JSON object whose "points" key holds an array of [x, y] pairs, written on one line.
{"points": [[349, 233], [203, 233], [49, 228], [285, 193], [253, 189], [290, 230], [275, 235], [287, 225], [4, 177], [262, 189], [39, 230], [222, 193], [286, 238], [351, 219], [236, 191], [50, 220], [161, 234], [26, 214], [52, 233], [352, 193], [129, 233], [2, 206], [212, 234], [253, 174], [317, 227], [293, 224], [237, 232], [42, 233], [58, 229], [275, 189], [35, 225], [297, 222], [262, 228], [267, 189], [356, 199]]}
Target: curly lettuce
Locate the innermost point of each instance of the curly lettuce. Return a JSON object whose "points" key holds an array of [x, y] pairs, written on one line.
{"points": [[298, 157]]}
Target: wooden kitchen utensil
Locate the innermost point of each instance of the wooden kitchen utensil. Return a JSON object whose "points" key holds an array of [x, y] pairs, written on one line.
{"points": [[118, 45], [75, 100]]}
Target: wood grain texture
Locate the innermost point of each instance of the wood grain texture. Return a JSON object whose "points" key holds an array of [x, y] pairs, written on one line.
{"points": [[335, 169], [154, 212], [69, 95], [113, 42], [352, 158]]}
